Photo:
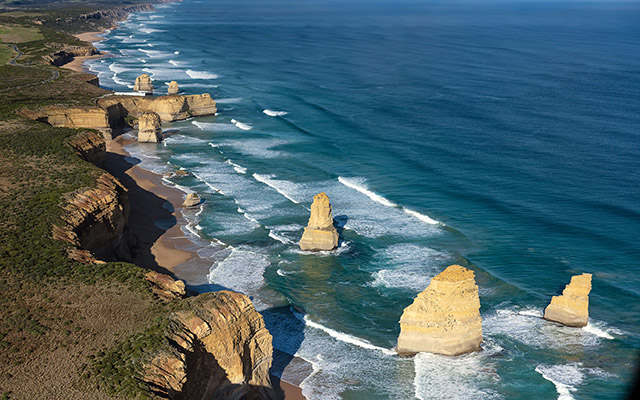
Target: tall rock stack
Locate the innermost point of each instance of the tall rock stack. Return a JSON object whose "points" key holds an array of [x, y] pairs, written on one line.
{"points": [[173, 88], [149, 127], [572, 308], [320, 234], [445, 317], [143, 84]]}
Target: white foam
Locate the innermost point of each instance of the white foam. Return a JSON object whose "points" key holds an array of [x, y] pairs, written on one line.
{"points": [[272, 113], [150, 30], [358, 184], [231, 100], [242, 125], [412, 266], [279, 185], [182, 139], [117, 68], [214, 126], [601, 329], [238, 168], [421, 217], [279, 238], [174, 62], [564, 377], [176, 52], [201, 74], [345, 337], [463, 377]]}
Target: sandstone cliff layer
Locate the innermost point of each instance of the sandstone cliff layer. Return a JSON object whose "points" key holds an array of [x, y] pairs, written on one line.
{"points": [[320, 234], [445, 317], [94, 222], [67, 54], [173, 88], [170, 108], [90, 146], [220, 350], [572, 307]]}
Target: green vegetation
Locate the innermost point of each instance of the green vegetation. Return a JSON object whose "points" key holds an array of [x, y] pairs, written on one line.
{"points": [[19, 34], [6, 53]]}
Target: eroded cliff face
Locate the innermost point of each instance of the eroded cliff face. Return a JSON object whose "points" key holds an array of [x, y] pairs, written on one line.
{"points": [[445, 317], [90, 146], [149, 127], [94, 222], [77, 117], [220, 350], [170, 108], [68, 54], [572, 308]]}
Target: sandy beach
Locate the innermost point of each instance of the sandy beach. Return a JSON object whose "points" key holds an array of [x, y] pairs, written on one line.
{"points": [[157, 248]]}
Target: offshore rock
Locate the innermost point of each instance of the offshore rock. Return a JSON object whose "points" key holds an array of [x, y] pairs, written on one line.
{"points": [[445, 317], [173, 88], [143, 84], [320, 234], [149, 127], [192, 200], [221, 349], [572, 308], [165, 286]]}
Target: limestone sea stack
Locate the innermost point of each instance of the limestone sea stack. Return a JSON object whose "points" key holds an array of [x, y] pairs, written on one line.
{"points": [[320, 234], [192, 200], [572, 308], [173, 88], [143, 84], [149, 127], [445, 317]]}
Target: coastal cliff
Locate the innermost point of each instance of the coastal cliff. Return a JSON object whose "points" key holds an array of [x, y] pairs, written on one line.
{"points": [[220, 349], [445, 317], [67, 54], [170, 107], [95, 220]]}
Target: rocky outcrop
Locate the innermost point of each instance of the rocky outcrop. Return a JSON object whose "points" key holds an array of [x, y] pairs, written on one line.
{"points": [[220, 350], [90, 146], [143, 84], [77, 117], [149, 127], [192, 200], [320, 234], [165, 286], [94, 220], [445, 317], [67, 54], [572, 308], [169, 108], [116, 13], [173, 88]]}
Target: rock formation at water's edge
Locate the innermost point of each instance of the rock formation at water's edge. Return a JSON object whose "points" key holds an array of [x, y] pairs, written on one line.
{"points": [[149, 127], [320, 234], [572, 307], [445, 317]]}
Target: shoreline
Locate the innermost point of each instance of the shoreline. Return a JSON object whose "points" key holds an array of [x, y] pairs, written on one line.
{"points": [[148, 196]]}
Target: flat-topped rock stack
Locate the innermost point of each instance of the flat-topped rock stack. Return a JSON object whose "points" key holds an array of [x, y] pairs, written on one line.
{"points": [[572, 308], [149, 127], [143, 84], [445, 317], [173, 88], [320, 234], [192, 200]]}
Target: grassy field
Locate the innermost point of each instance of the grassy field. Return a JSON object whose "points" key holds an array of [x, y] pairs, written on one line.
{"points": [[19, 34], [6, 54]]}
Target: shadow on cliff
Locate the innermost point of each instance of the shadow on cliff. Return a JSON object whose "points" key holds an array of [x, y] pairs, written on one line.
{"points": [[150, 215], [339, 221]]}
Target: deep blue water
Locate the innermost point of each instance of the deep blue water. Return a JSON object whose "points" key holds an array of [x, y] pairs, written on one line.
{"points": [[504, 136]]}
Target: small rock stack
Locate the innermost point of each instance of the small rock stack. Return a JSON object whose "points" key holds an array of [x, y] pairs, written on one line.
{"points": [[149, 127], [143, 84], [572, 308], [445, 317], [320, 234], [173, 88]]}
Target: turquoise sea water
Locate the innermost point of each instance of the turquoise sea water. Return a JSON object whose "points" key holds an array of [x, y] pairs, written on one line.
{"points": [[504, 136]]}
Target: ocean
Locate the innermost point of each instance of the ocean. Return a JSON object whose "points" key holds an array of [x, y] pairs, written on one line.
{"points": [[503, 136]]}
